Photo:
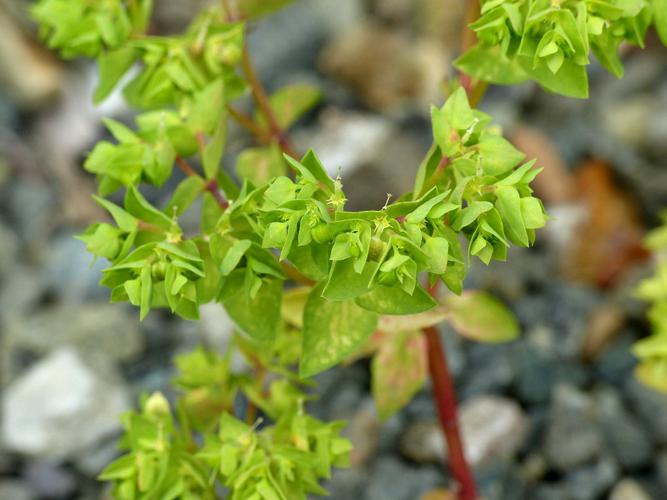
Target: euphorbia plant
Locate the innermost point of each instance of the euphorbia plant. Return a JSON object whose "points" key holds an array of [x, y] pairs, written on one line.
{"points": [[308, 283]]}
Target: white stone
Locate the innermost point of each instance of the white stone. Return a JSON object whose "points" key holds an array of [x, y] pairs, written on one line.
{"points": [[628, 489], [493, 427], [60, 406]]}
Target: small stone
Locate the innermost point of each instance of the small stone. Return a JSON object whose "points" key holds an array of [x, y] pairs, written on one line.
{"points": [[93, 328], [22, 288], [342, 133], [628, 489], [491, 369], [385, 68], [591, 481], [71, 271], [651, 406], [492, 428], [94, 459], [9, 248], [60, 406], [423, 442], [217, 330], [390, 478], [363, 431], [624, 434], [572, 436], [50, 481], [11, 489], [604, 324]]}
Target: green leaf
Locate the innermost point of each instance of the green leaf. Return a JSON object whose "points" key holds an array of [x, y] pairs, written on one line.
{"points": [[315, 167], [187, 191], [214, 150], [498, 155], [294, 303], [481, 317], [234, 256], [457, 110], [125, 221], [137, 205], [508, 203], [120, 131], [146, 291], [259, 317], [113, 65], [533, 212], [394, 300], [260, 165], [399, 370], [345, 283], [660, 19], [332, 330], [290, 103], [470, 214], [256, 8], [490, 64], [207, 108]]}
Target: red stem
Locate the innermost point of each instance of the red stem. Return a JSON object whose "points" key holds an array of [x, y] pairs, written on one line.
{"points": [[210, 186], [445, 398], [263, 104]]}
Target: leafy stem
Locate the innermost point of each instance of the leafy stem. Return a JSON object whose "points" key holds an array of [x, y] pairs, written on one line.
{"points": [[210, 186], [262, 101]]}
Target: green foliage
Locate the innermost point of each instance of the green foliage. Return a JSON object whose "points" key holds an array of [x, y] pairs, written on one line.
{"points": [[165, 460], [551, 41], [369, 274], [652, 351]]}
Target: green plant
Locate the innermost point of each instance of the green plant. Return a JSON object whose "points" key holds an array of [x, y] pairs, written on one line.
{"points": [[367, 280], [652, 351]]}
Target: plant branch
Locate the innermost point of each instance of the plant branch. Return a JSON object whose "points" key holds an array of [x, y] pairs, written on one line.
{"points": [[262, 102], [249, 124], [210, 186]]}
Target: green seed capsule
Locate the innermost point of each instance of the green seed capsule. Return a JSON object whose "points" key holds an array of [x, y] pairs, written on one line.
{"points": [[321, 233], [159, 270]]}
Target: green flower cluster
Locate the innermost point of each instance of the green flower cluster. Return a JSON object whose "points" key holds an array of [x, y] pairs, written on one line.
{"points": [[549, 41], [81, 28], [282, 461]]}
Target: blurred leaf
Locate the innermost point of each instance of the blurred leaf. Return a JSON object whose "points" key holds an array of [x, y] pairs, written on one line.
{"points": [[256, 8], [187, 191], [290, 103], [399, 370], [294, 303], [481, 317], [260, 165]]}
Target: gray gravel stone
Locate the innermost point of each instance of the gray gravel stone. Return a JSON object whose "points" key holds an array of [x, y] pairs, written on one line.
{"points": [[572, 436], [623, 432], [591, 481], [11, 489], [390, 478], [651, 406], [61, 406]]}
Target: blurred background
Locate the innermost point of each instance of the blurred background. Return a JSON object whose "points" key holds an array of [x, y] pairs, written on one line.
{"points": [[556, 415]]}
